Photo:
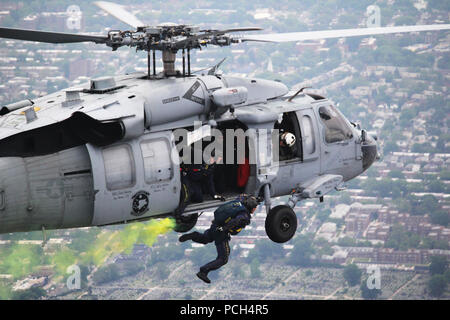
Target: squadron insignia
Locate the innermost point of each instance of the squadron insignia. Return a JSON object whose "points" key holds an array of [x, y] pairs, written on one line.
{"points": [[140, 203]]}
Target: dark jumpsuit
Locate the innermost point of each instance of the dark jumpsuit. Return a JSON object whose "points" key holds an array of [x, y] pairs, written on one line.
{"points": [[287, 153], [208, 180], [200, 180], [222, 238]]}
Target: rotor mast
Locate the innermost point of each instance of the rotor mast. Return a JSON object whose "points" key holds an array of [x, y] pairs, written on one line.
{"points": [[169, 59]]}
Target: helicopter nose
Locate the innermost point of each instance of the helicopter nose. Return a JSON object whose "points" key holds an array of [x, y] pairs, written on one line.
{"points": [[369, 151]]}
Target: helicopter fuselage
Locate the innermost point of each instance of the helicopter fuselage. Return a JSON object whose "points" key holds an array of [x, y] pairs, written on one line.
{"points": [[103, 153]]}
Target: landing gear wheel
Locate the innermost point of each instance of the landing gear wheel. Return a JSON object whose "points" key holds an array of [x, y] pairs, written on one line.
{"points": [[281, 224], [185, 223]]}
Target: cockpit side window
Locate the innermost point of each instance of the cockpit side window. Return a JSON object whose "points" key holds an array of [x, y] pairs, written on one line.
{"points": [[336, 129]]}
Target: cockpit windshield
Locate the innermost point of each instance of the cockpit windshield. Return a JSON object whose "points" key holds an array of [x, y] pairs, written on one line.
{"points": [[336, 128]]}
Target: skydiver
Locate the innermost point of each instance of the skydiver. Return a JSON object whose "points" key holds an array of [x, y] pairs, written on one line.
{"points": [[229, 219]]}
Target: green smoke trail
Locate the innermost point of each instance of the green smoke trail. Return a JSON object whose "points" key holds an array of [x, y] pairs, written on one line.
{"points": [[109, 244], [113, 243], [5, 292], [21, 260], [64, 259], [18, 261]]}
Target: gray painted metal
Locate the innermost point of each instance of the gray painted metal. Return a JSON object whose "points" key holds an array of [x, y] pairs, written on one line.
{"points": [[54, 191], [154, 180]]}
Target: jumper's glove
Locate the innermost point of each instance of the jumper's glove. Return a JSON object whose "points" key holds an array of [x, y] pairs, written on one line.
{"points": [[219, 229]]}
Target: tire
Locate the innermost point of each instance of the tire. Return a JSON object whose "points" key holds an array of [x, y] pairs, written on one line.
{"points": [[185, 223], [281, 224]]}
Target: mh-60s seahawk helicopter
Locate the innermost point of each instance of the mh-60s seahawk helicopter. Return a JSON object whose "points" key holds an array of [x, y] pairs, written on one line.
{"points": [[101, 153]]}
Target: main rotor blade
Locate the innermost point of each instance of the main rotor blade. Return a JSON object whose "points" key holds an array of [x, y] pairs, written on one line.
{"points": [[342, 33], [231, 30], [49, 37], [119, 12]]}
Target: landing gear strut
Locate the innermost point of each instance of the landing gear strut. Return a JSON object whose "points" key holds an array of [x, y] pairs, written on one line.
{"points": [[184, 223]]}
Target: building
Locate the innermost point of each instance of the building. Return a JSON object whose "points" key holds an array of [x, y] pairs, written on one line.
{"points": [[395, 257], [378, 231], [356, 222]]}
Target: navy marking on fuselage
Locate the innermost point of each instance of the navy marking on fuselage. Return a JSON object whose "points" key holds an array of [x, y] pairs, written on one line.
{"points": [[170, 100], [189, 95]]}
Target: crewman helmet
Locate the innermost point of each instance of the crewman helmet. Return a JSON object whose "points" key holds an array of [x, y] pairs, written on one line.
{"points": [[288, 139]]}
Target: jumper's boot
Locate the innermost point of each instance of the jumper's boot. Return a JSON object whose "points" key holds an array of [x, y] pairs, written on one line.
{"points": [[185, 237], [203, 276]]}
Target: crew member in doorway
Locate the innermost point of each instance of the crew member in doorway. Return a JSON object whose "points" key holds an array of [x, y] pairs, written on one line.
{"points": [[288, 147], [219, 171], [200, 181], [209, 172], [194, 175], [229, 219], [184, 194]]}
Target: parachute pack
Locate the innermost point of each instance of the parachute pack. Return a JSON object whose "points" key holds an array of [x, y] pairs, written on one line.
{"points": [[227, 211]]}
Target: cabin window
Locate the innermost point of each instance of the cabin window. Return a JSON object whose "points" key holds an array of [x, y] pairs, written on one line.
{"points": [[336, 128], [119, 167], [309, 143], [157, 161]]}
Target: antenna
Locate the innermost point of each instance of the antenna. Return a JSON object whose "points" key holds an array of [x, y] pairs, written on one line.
{"points": [[297, 93]]}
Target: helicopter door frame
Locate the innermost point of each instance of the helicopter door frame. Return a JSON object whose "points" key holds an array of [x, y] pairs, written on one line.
{"points": [[132, 181], [161, 177], [310, 134], [294, 121], [114, 174]]}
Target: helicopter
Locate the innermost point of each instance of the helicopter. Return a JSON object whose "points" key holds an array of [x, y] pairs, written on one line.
{"points": [[107, 152]]}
